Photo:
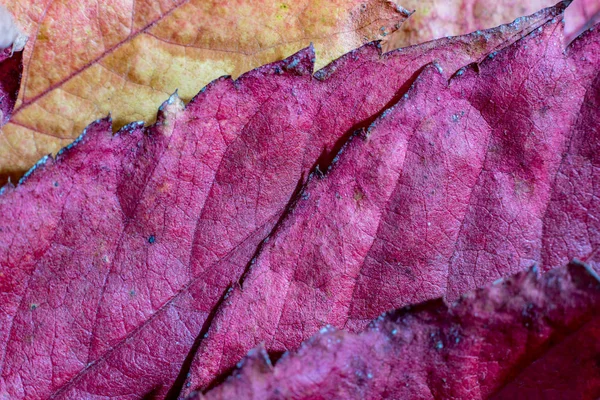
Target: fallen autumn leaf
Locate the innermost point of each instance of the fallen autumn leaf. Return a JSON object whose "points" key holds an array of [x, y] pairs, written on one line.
{"points": [[116, 256]]}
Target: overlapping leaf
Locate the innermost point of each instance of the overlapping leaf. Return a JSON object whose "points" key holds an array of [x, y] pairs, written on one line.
{"points": [[526, 337], [114, 256]]}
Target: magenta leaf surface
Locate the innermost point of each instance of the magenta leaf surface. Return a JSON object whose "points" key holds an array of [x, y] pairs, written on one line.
{"points": [[129, 257], [526, 337], [458, 184]]}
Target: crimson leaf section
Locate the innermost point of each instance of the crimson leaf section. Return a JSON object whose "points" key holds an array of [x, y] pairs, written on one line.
{"points": [[459, 184], [114, 254], [519, 337]]}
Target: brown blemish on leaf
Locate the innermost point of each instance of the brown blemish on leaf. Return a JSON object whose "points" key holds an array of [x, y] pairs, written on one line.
{"points": [[358, 196]]}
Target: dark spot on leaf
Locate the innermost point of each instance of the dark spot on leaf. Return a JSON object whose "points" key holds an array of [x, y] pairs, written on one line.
{"points": [[358, 195], [151, 239]]}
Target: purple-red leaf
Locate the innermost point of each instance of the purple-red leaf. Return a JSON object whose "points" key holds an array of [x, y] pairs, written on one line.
{"points": [[116, 255], [458, 184], [527, 337]]}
